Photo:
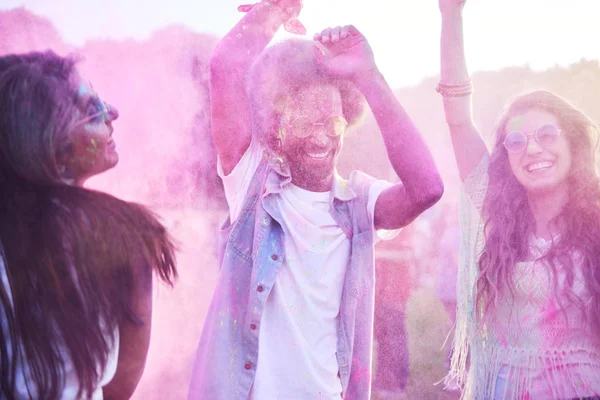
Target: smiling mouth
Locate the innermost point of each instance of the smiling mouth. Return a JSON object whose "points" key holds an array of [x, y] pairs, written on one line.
{"points": [[319, 156], [541, 165]]}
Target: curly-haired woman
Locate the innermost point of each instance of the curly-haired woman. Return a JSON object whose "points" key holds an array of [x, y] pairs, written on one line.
{"points": [[529, 284], [76, 265]]}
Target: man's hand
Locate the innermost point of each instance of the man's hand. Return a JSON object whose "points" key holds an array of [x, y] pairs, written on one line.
{"points": [[344, 52], [290, 10]]}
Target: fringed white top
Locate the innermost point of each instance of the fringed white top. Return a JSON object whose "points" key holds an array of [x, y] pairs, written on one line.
{"points": [[531, 347]]}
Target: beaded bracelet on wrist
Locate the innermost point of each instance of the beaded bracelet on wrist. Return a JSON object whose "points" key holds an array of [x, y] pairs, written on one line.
{"points": [[455, 89]]}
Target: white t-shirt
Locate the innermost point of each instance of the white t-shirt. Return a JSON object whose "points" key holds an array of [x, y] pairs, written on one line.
{"points": [[71, 382], [298, 336]]}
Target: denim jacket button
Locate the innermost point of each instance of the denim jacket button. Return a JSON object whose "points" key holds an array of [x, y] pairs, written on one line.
{"points": [[260, 288], [248, 366], [275, 257]]}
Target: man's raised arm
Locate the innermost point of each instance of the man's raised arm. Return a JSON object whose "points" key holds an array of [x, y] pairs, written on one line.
{"points": [[229, 66]]}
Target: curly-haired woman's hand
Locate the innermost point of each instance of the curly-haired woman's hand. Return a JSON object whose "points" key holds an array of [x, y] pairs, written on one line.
{"points": [[449, 5]]}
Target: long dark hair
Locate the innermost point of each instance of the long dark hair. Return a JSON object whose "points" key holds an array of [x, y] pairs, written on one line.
{"points": [[69, 252], [510, 223]]}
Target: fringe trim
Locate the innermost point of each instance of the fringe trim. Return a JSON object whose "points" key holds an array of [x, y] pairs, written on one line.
{"points": [[471, 201], [553, 371]]}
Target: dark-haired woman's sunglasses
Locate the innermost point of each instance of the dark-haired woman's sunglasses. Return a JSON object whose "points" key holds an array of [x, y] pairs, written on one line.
{"points": [[545, 135], [97, 112]]}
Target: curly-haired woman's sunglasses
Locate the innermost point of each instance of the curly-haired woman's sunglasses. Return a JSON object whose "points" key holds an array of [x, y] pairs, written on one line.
{"points": [[545, 135]]}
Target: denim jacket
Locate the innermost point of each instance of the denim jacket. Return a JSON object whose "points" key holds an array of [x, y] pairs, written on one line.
{"points": [[251, 253]]}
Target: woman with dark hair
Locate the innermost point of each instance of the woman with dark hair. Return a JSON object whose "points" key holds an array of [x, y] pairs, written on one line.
{"points": [[76, 265], [529, 284]]}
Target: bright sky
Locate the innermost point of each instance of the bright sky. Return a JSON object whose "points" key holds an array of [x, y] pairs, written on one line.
{"points": [[403, 33]]}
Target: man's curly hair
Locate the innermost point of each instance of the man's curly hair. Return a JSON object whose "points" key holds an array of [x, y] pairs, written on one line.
{"points": [[279, 74]]}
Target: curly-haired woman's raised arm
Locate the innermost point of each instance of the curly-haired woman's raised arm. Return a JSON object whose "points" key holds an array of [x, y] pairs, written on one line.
{"points": [[455, 87]]}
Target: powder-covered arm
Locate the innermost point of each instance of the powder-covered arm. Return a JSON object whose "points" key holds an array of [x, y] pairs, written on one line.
{"points": [[229, 66], [346, 53], [134, 337]]}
